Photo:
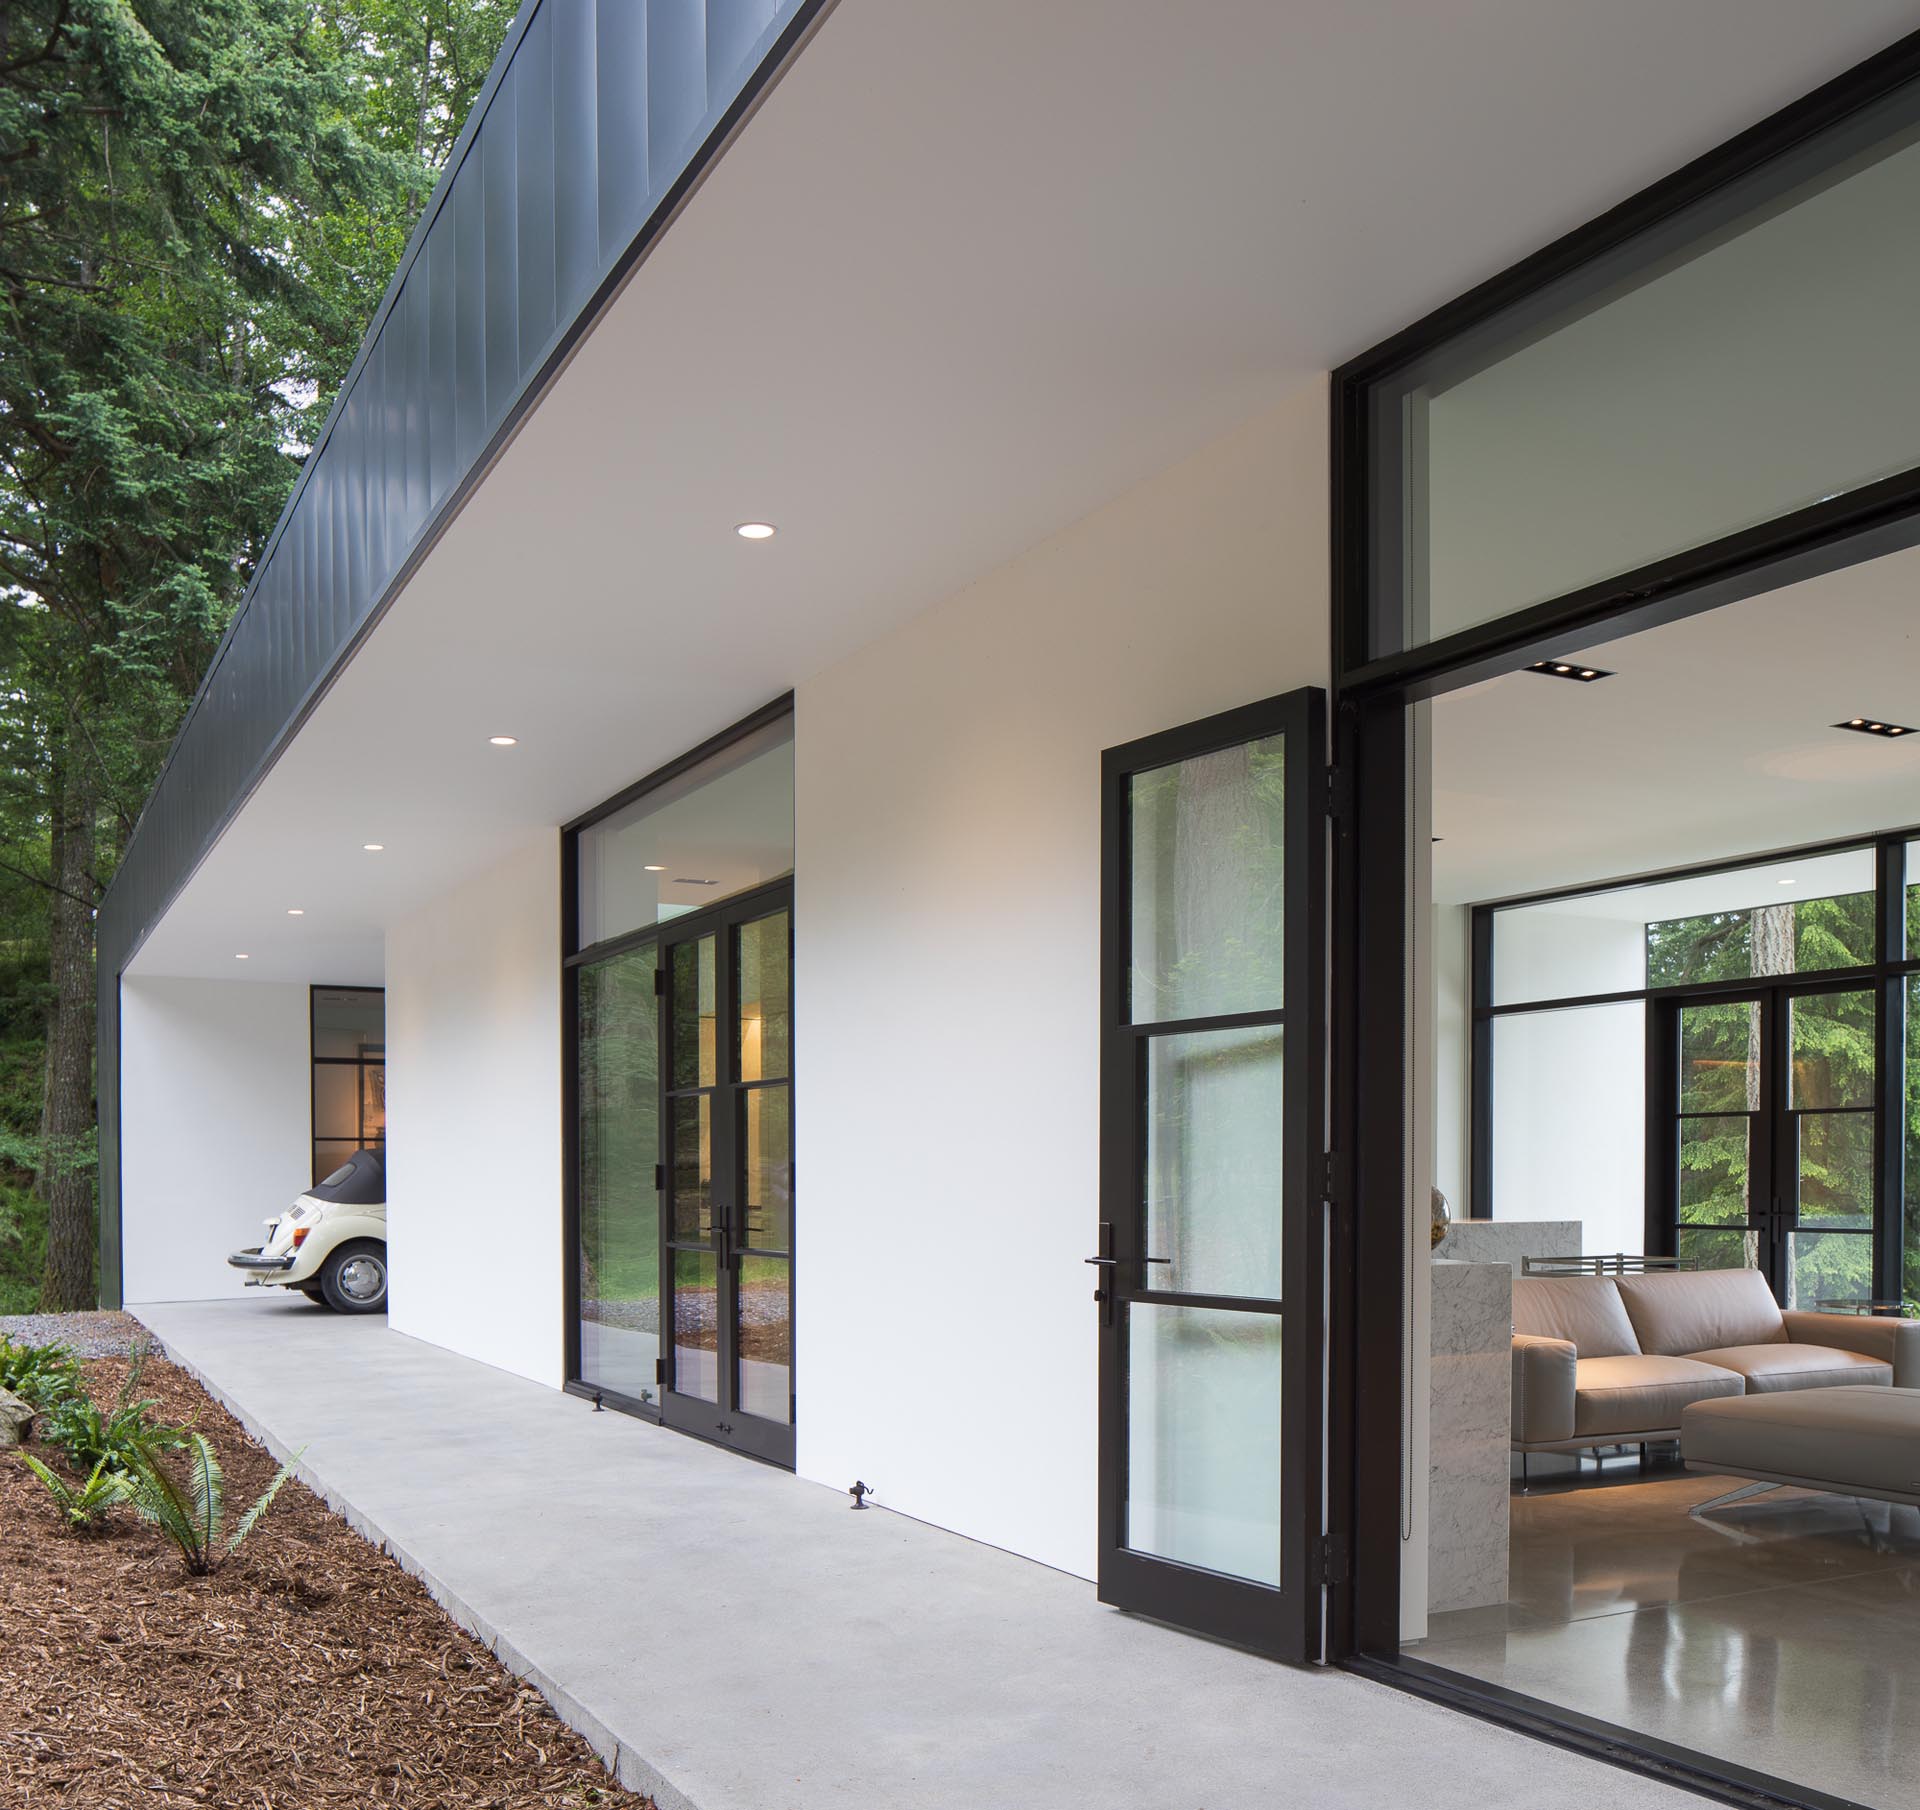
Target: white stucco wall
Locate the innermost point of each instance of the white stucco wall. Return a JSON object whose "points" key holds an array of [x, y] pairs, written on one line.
{"points": [[215, 1128], [947, 972], [473, 1109]]}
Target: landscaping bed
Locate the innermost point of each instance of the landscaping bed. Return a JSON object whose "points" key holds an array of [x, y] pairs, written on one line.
{"points": [[306, 1670]]}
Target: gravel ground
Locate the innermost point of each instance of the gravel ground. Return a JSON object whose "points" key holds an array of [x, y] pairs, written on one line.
{"points": [[87, 1335]]}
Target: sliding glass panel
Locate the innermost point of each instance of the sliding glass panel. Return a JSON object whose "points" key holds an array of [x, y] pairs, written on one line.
{"points": [[1569, 1121], [1742, 359], [1214, 1161], [766, 1338], [722, 828], [769, 1167], [1830, 1270], [1832, 1049], [765, 993], [1206, 840], [619, 1125], [1203, 1438], [1801, 916], [1836, 1170], [1720, 1057], [696, 1324], [1716, 1166]]}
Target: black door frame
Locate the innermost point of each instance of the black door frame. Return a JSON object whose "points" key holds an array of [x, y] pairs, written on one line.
{"points": [[1285, 1621], [1773, 1153], [574, 956], [1373, 692], [722, 1420]]}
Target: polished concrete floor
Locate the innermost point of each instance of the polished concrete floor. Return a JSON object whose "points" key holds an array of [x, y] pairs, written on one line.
{"points": [[736, 1639], [1783, 1633]]}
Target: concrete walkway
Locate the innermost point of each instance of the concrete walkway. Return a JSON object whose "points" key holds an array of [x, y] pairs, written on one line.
{"points": [[736, 1640]]}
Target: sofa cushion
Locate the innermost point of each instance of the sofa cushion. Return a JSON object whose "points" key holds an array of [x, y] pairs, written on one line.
{"points": [[1847, 1439], [1583, 1310], [1675, 1312], [1635, 1395], [1771, 1367]]}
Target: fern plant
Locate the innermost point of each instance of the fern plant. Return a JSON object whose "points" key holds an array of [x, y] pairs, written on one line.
{"points": [[190, 1509], [84, 1505], [41, 1375], [92, 1436]]}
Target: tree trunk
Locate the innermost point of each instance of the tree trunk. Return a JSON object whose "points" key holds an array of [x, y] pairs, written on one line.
{"points": [[67, 1168]]}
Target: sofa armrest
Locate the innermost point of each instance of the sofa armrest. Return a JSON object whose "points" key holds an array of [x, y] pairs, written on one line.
{"points": [[1543, 1387], [1896, 1342]]}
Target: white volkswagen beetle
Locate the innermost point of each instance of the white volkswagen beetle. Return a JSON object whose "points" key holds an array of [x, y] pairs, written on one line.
{"points": [[331, 1244]]}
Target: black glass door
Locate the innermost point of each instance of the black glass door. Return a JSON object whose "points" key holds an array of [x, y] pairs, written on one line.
{"points": [[727, 1178], [1211, 1235], [1766, 1136]]}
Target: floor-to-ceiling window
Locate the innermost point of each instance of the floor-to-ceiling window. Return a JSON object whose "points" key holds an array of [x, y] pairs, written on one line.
{"points": [[680, 1034], [349, 1032], [1699, 400]]}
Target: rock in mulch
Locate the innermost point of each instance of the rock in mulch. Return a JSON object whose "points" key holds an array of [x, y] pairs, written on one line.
{"points": [[16, 1417], [87, 1335]]}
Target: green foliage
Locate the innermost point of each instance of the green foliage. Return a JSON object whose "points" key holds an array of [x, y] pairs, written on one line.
{"points": [[189, 1505], [114, 1437], [201, 201], [84, 1505], [1831, 1065], [41, 1375]]}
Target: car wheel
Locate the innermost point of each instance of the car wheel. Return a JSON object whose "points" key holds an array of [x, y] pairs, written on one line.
{"points": [[353, 1279]]}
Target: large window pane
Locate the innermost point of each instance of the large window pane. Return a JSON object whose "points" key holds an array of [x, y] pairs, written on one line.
{"points": [[1215, 1161], [619, 1145], [1716, 1169], [1207, 839], [1569, 1121], [724, 827], [1778, 917], [1836, 1170], [1720, 1057], [696, 1324], [1203, 1438], [1739, 361], [1830, 1270], [765, 991], [1833, 1049], [765, 1382]]}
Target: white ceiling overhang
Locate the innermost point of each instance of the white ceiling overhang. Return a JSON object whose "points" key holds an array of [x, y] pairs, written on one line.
{"points": [[968, 273]]}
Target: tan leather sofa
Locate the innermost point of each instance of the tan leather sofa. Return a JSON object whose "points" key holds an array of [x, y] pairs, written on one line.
{"points": [[1614, 1360]]}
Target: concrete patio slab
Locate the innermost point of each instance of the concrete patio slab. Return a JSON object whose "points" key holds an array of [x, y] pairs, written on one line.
{"points": [[733, 1639]]}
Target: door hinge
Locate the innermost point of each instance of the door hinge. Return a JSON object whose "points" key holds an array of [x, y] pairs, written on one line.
{"points": [[1339, 792], [659, 1177], [659, 1370], [1330, 1562], [659, 978], [1331, 1189]]}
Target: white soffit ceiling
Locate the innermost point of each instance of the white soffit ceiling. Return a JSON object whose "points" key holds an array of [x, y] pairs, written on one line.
{"points": [[968, 273], [1713, 739]]}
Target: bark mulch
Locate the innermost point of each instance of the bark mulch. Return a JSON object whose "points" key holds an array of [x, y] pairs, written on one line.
{"points": [[308, 1671]]}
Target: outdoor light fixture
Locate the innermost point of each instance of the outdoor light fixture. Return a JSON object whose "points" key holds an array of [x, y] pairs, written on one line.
{"points": [[1866, 725], [756, 531], [504, 741], [1570, 669]]}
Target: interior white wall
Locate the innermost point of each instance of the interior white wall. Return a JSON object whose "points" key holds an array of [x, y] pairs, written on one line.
{"points": [[216, 1127], [474, 1117], [946, 924]]}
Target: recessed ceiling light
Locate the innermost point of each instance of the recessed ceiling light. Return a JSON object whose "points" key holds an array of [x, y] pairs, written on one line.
{"points": [[756, 531], [654, 867], [504, 741], [1786, 882], [1570, 669], [296, 911], [1866, 725], [242, 958], [373, 848]]}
